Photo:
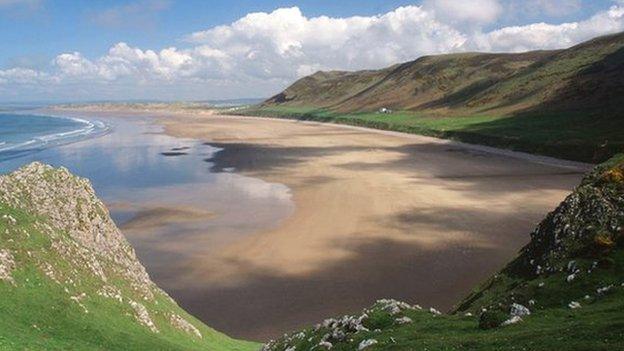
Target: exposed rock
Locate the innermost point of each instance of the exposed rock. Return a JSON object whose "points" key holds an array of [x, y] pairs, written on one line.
{"points": [[69, 203], [141, 315], [588, 220], [110, 292], [574, 305], [393, 306], [512, 320], [604, 289], [183, 324], [403, 320], [77, 299], [325, 344], [518, 310], [7, 264], [366, 343]]}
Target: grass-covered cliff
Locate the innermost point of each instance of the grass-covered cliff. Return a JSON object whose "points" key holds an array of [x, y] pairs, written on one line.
{"points": [[565, 291], [70, 281], [563, 103]]}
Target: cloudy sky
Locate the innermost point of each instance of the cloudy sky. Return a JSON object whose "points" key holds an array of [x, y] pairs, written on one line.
{"points": [[57, 50]]}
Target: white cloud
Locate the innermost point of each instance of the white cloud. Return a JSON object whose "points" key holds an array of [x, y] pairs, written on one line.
{"points": [[283, 42], [548, 36], [24, 76], [261, 52], [474, 12]]}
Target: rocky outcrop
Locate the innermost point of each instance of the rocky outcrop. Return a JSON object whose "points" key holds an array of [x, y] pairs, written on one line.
{"points": [[69, 204], [589, 222], [7, 264], [70, 280], [184, 325]]}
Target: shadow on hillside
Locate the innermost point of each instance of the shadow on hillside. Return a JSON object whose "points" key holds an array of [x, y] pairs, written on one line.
{"points": [[598, 88]]}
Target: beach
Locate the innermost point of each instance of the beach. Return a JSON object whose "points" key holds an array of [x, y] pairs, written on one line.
{"points": [[241, 217], [377, 215]]}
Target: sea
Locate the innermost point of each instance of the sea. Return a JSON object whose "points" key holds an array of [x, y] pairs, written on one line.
{"points": [[22, 133], [165, 193]]}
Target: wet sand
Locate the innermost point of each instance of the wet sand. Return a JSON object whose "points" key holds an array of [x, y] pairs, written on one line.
{"points": [[376, 215]]}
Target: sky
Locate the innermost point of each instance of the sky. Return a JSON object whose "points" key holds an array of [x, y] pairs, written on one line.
{"points": [[61, 51]]}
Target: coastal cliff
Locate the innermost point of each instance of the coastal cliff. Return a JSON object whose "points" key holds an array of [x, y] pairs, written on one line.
{"points": [[70, 280]]}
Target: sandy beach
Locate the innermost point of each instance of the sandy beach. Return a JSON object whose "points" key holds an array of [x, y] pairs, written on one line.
{"points": [[376, 215]]}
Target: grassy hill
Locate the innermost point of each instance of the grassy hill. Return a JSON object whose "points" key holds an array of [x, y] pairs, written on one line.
{"points": [[562, 103], [70, 281], [565, 291]]}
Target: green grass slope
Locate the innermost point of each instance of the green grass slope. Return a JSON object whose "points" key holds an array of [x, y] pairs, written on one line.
{"points": [[565, 291], [563, 103], [70, 281]]}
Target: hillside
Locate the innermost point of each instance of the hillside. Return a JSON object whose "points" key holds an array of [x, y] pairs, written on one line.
{"points": [[562, 103], [470, 83], [69, 280], [565, 291]]}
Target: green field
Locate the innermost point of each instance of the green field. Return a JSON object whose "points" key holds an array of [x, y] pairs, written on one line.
{"points": [[564, 135]]}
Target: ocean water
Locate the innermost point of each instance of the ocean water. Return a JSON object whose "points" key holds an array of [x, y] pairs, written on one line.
{"points": [[22, 134], [162, 191]]}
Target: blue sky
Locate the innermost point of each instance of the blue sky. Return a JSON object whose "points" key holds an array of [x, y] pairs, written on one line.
{"points": [[86, 50]]}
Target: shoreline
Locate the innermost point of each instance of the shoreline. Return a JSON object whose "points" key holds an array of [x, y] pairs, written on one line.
{"points": [[535, 158], [163, 112], [371, 208], [85, 130]]}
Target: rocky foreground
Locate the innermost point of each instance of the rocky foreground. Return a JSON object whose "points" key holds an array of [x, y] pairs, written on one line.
{"points": [[565, 291], [70, 280]]}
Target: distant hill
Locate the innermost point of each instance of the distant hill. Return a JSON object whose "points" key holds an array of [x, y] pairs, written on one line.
{"points": [[562, 103], [588, 76], [565, 291], [69, 280]]}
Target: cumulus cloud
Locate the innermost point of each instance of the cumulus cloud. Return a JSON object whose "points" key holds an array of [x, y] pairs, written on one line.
{"points": [[261, 52], [548, 36], [283, 42]]}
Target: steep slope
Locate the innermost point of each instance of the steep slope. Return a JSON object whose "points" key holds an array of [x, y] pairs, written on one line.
{"points": [[588, 75], [565, 291], [70, 281], [430, 81], [562, 103]]}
